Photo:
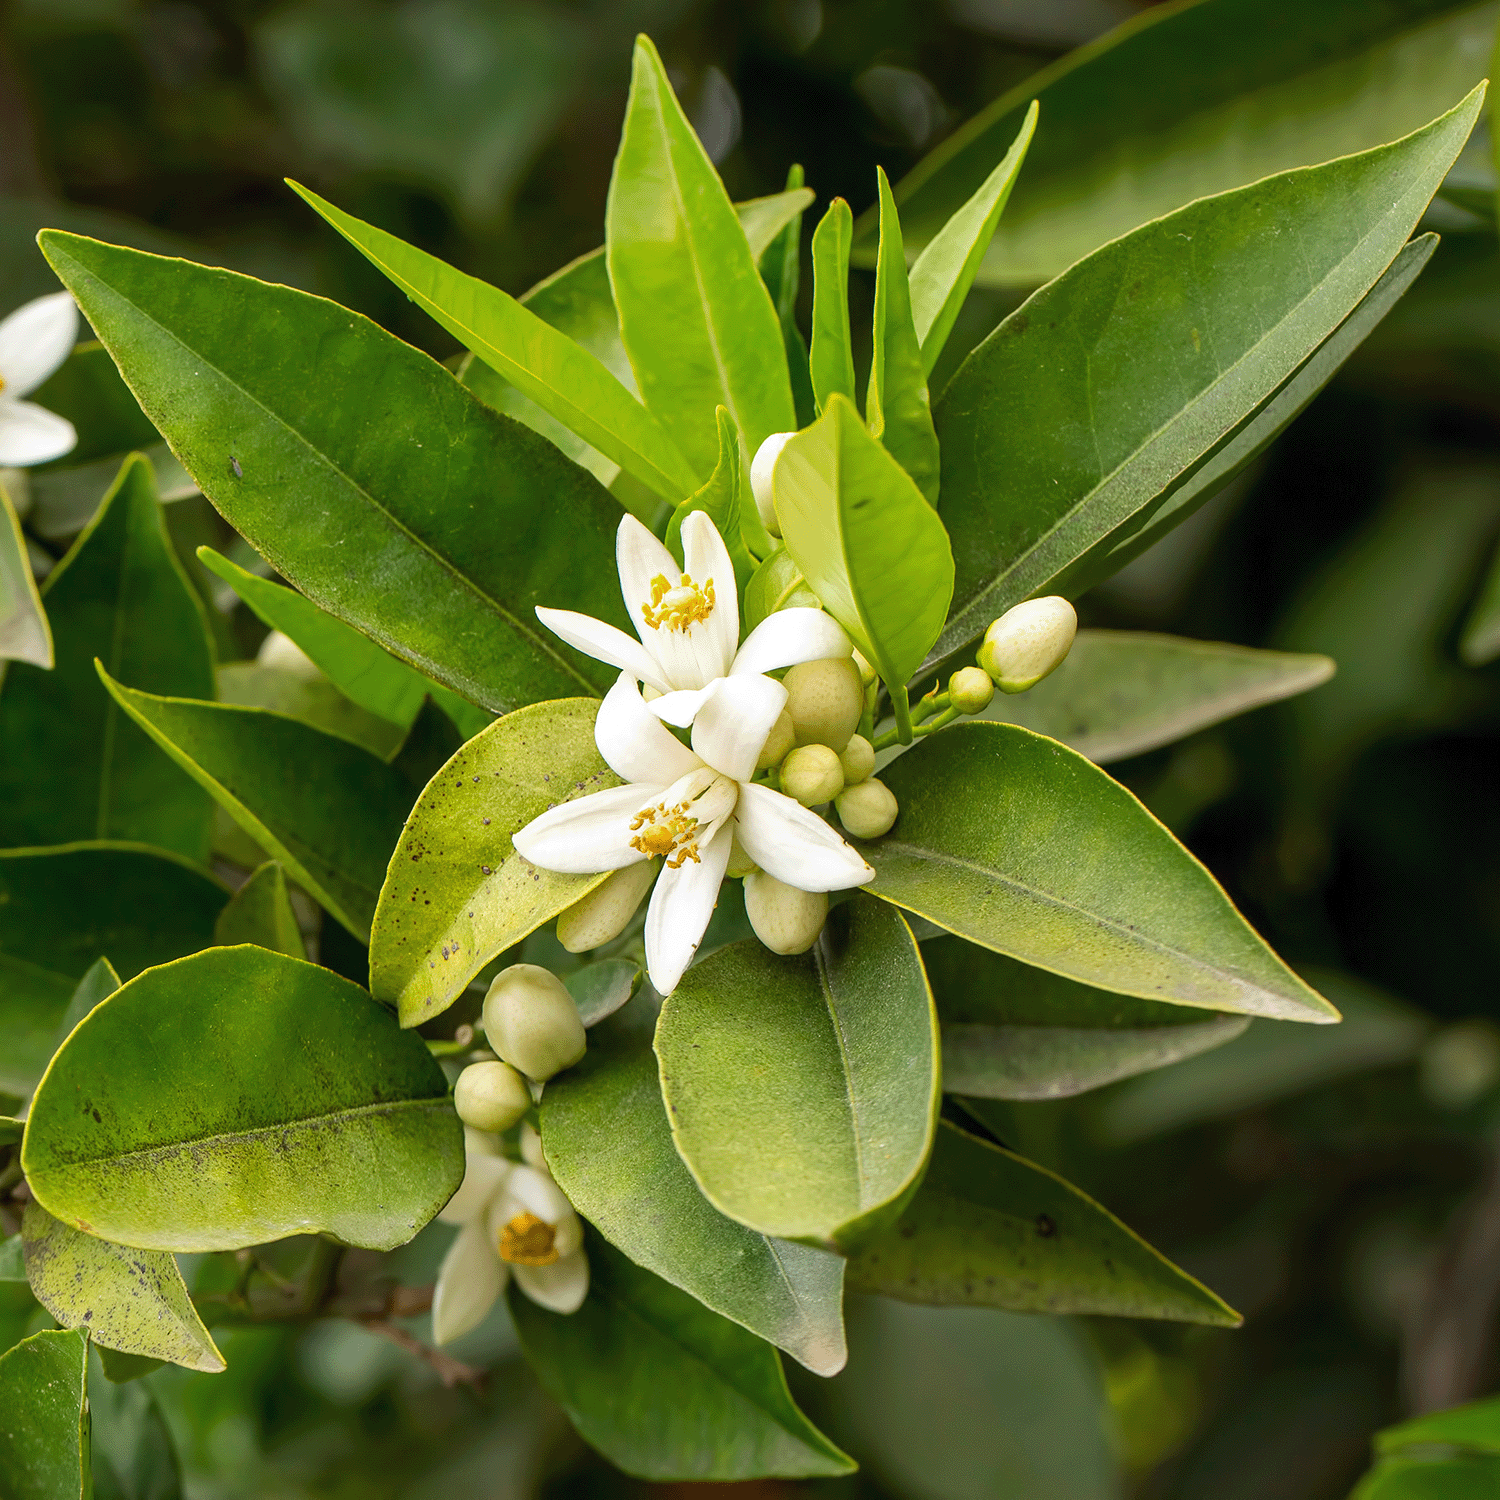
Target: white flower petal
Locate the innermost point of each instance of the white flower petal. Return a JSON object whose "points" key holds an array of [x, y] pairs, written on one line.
{"points": [[705, 558], [731, 728], [681, 905], [604, 643], [641, 557], [34, 340], [791, 636], [484, 1176], [560, 1287], [532, 1192], [632, 740], [795, 845], [588, 835], [681, 708], [469, 1280], [30, 434]]}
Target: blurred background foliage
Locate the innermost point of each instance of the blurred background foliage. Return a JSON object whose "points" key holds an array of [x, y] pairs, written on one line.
{"points": [[1340, 1186]]}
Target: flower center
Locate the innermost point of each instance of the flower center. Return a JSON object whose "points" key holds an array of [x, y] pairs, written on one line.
{"points": [[528, 1241], [677, 608], [689, 812]]}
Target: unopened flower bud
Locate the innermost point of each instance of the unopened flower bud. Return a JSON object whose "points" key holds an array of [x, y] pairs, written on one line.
{"points": [[531, 1021], [740, 863], [812, 774], [785, 919], [1028, 642], [970, 690], [867, 810], [858, 759], [825, 700], [762, 467], [781, 739], [867, 673], [607, 909], [491, 1096]]}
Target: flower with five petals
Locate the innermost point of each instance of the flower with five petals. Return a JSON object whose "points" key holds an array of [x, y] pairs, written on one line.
{"points": [[34, 340]]}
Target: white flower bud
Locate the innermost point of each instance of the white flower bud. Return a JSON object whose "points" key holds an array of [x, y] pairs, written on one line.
{"points": [[970, 690], [607, 909], [825, 700], [867, 810], [740, 863], [1028, 642], [812, 774], [491, 1096], [867, 673], [781, 739], [858, 759], [785, 919], [531, 1021], [762, 469]]}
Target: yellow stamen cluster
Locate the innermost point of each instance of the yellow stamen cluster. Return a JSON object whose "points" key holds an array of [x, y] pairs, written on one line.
{"points": [[663, 830], [528, 1241], [677, 608]]}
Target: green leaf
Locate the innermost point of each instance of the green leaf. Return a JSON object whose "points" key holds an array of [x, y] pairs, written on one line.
{"points": [[261, 912], [1023, 846], [1474, 1427], [238, 1096], [24, 632], [608, 1144], [772, 218], [1431, 1479], [127, 1299], [86, 389], [132, 1450], [310, 697], [365, 673], [1011, 1031], [776, 584], [457, 893], [438, 550], [1187, 101], [695, 317], [600, 989], [328, 810], [666, 1389], [12, 1254], [44, 1427], [61, 907], [95, 987], [832, 361], [989, 1229], [945, 270], [896, 403], [431, 743], [781, 270], [1123, 692], [1481, 635], [803, 1092], [71, 766], [722, 498], [1109, 385]]}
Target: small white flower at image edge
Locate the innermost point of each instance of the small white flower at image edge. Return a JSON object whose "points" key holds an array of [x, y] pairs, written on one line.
{"points": [[34, 341]]}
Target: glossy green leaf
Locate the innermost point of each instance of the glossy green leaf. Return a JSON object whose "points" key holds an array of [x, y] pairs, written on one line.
{"points": [[666, 1389], [457, 893], [365, 673], [866, 541], [1011, 1031], [766, 220], [776, 584], [24, 632], [261, 912], [1189, 100], [44, 1425], [71, 766], [132, 1450], [990, 1229], [198, 1136], [945, 270], [438, 550], [127, 1299], [63, 501], [1481, 636], [1474, 1427], [608, 1144], [328, 810], [600, 989], [723, 499], [830, 353], [310, 697], [61, 907], [896, 404], [695, 317], [1019, 844], [1123, 692], [1109, 385], [86, 389], [803, 1092]]}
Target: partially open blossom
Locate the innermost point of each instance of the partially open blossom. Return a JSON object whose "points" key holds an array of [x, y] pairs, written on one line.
{"points": [[34, 340]]}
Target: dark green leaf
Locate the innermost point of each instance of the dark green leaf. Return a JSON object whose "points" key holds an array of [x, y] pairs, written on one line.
{"points": [[24, 632], [1474, 1427], [721, 499], [310, 697], [432, 742], [600, 989], [44, 1425], [132, 1448], [261, 912], [830, 355], [96, 986], [1432, 1479], [86, 389], [1481, 637], [781, 270]]}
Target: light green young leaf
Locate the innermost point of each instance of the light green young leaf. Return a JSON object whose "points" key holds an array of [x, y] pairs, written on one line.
{"points": [[766, 220], [44, 1425], [239, 1096], [261, 912], [896, 402], [831, 357], [1481, 635], [776, 584], [723, 500], [695, 316], [24, 632]]}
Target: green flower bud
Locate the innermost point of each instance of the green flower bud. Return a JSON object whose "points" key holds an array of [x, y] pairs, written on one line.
{"points": [[970, 690], [740, 863], [1028, 642], [785, 919], [762, 472], [531, 1021], [491, 1096], [812, 774], [858, 759], [867, 673], [825, 700], [781, 739], [607, 909], [867, 810]]}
